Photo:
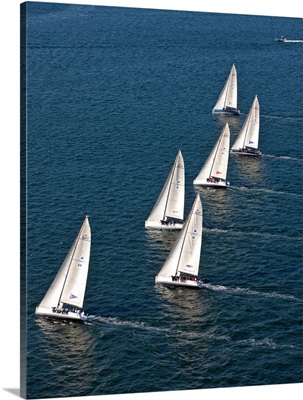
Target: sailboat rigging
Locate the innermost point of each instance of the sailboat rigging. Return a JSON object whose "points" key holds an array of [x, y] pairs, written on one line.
{"points": [[168, 211], [227, 101], [68, 287], [247, 142], [214, 171], [181, 267]]}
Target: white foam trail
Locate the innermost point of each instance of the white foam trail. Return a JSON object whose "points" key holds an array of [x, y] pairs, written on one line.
{"points": [[266, 342], [283, 117], [249, 292], [129, 324], [250, 233], [282, 157], [267, 191]]}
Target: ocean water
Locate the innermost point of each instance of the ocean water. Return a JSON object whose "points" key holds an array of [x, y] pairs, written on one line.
{"points": [[111, 95]]}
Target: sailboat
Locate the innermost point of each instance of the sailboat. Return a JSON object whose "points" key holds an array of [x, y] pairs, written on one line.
{"points": [[181, 267], [68, 287], [227, 101], [214, 171], [168, 212], [247, 141]]}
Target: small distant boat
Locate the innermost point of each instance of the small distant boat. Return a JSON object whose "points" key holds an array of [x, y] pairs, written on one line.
{"points": [[247, 141], [285, 40], [68, 287], [168, 212], [227, 101], [281, 39], [214, 171], [181, 267]]}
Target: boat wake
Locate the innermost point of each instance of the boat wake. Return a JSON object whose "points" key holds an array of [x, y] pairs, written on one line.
{"points": [[267, 191], [245, 291], [293, 41], [250, 233], [266, 342], [283, 117], [189, 336], [129, 324], [282, 157], [141, 325]]}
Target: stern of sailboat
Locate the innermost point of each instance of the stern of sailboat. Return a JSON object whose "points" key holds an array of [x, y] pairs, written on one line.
{"points": [[227, 112], [176, 281], [61, 313], [256, 153]]}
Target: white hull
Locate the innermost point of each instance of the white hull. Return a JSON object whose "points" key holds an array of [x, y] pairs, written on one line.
{"points": [[160, 225], [222, 185], [46, 312], [224, 112], [246, 154], [168, 281]]}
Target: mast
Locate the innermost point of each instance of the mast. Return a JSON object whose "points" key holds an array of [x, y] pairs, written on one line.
{"points": [[249, 133], [170, 183], [75, 284], [215, 155], [71, 260], [232, 91], [223, 156], [183, 239], [191, 248], [184, 249], [169, 195], [252, 131], [179, 163], [60, 284], [208, 167], [229, 93]]}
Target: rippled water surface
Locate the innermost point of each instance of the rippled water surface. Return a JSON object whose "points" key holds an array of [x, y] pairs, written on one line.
{"points": [[112, 95]]}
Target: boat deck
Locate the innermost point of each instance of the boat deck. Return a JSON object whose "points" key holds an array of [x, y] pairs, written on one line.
{"points": [[70, 315], [169, 281], [163, 225]]}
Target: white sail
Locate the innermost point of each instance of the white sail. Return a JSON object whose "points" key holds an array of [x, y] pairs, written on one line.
{"points": [[229, 95], [70, 282], [170, 202], [217, 162], [185, 254], [249, 134]]}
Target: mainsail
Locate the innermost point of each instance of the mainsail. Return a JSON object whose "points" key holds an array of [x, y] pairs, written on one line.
{"points": [[170, 202], [217, 162], [249, 134], [185, 254], [229, 95], [70, 282]]}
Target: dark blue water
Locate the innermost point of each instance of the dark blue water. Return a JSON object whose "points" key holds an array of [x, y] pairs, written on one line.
{"points": [[112, 94]]}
